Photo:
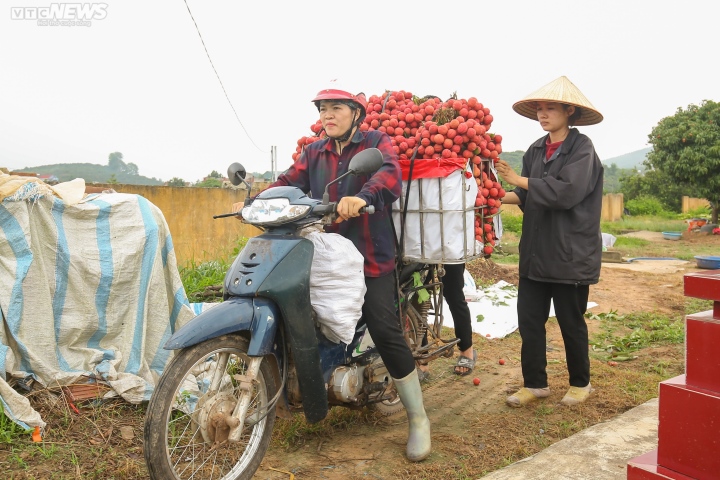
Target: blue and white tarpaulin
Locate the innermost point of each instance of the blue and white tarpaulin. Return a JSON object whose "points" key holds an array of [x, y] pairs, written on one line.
{"points": [[86, 289]]}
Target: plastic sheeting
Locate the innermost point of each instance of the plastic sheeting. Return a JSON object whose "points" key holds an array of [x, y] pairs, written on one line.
{"points": [[89, 289]]}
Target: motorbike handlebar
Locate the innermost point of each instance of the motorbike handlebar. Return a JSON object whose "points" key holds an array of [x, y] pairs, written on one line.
{"points": [[321, 209], [331, 208]]}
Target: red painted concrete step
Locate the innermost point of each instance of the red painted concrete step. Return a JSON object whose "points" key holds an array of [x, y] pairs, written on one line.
{"points": [[688, 429], [645, 467], [702, 351]]}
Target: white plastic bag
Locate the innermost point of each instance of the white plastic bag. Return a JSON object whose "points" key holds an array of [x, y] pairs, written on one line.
{"points": [[337, 285], [440, 221], [469, 287]]}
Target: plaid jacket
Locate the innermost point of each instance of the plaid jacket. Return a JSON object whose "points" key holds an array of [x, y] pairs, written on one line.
{"points": [[373, 235]]}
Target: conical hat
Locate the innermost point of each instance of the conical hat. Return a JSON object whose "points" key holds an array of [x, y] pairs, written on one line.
{"points": [[560, 90]]}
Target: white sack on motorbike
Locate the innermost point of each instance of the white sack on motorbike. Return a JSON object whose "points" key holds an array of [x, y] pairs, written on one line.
{"points": [[337, 285]]}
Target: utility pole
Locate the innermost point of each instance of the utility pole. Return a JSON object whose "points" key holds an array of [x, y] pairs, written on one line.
{"points": [[273, 161]]}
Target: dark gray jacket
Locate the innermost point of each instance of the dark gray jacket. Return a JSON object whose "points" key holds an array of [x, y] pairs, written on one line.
{"points": [[561, 240]]}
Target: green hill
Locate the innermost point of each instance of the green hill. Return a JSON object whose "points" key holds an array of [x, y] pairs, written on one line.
{"points": [[629, 160], [615, 168], [90, 172]]}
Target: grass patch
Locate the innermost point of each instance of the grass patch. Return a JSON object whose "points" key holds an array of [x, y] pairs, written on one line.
{"points": [[9, 430], [621, 336], [295, 432], [696, 305], [198, 278], [651, 223]]}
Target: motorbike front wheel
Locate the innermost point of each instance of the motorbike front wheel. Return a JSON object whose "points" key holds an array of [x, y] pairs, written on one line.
{"points": [[186, 425]]}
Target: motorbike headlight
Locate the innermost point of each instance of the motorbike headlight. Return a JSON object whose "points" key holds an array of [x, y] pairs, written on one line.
{"points": [[273, 211]]}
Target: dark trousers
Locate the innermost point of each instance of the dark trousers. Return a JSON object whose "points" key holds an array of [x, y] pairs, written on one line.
{"points": [[533, 308], [453, 283], [384, 325]]}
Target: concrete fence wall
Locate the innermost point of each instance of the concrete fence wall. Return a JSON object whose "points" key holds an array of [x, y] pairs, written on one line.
{"points": [[612, 208], [196, 236]]}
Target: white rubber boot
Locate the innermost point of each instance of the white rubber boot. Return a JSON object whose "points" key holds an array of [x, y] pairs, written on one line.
{"points": [[418, 446]]}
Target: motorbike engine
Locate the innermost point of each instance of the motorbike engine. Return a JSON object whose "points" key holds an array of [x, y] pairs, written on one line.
{"points": [[346, 384]]}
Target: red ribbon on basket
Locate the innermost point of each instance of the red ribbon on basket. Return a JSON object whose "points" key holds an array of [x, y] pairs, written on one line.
{"points": [[432, 167]]}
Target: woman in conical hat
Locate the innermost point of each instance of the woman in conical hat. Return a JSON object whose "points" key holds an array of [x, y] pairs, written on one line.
{"points": [[560, 192]]}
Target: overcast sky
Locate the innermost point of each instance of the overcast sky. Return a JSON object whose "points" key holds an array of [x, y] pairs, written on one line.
{"points": [[137, 79]]}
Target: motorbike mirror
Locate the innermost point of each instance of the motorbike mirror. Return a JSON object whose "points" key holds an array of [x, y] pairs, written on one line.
{"points": [[367, 161], [236, 173]]}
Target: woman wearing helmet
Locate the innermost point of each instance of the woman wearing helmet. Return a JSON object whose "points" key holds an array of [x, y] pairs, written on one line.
{"points": [[341, 114]]}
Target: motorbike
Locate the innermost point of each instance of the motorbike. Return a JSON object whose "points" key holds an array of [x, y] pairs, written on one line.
{"points": [[259, 353]]}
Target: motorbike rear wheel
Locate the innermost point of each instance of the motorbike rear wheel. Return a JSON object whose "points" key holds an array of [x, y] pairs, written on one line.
{"points": [[185, 431]]}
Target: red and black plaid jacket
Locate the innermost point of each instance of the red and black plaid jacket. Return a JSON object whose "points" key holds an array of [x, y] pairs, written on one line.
{"points": [[372, 234]]}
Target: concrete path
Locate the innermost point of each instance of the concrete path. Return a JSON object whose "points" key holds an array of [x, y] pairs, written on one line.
{"points": [[600, 452]]}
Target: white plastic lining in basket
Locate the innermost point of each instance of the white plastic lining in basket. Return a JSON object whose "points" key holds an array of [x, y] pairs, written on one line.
{"points": [[440, 220]]}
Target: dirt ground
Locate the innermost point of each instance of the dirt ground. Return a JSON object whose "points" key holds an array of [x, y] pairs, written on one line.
{"points": [[473, 431], [457, 408]]}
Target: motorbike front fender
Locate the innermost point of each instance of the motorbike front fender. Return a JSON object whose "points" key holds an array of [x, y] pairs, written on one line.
{"points": [[258, 316]]}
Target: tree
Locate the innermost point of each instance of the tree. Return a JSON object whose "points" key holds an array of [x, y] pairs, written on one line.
{"points": [[215, 174], [132, 169], [115, 162], [210, 183], [176, 182], [112, 180], [686, 146], [653, 183]]}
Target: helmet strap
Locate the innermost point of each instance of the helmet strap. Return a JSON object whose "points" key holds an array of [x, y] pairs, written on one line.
{"points": [[346, 136]]}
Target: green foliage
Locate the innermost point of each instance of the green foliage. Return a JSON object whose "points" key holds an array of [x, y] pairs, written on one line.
{"points": [[646, 205], [209, 183], [176, 182], [621, 335], [117, 165], [650, 223], [112, 180], [630, 242], [215, 174], [613, 177], [656, 184], [686, 146], [699, 212], [197, 277], [240, 245], [10, 431], [514, 159], [512, 223], [115, 161]]}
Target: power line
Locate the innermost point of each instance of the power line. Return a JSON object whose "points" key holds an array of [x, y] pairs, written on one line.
{"points": [[219, 80]]}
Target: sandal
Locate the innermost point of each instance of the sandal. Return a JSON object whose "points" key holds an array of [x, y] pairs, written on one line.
{"points": [[526, 395], [577, 395], [467, 363]]}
